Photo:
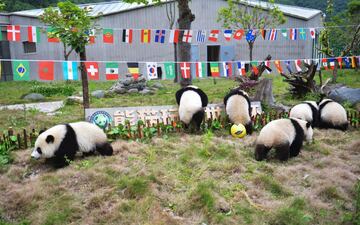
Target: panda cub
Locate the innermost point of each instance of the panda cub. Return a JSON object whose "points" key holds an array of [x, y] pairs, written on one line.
{"points": [[191, 101], [307, 111], [332, 115], [61, 142], [285, 135], [238, 108]]}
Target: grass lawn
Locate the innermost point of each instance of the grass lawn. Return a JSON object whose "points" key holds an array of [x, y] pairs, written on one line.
{"points": [[210, 178]]}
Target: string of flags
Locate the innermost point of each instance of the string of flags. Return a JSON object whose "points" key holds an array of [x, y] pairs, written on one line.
{"points": [[162, 36], [46, 69]]}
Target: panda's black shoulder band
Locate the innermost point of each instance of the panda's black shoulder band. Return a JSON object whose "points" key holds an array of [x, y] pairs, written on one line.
{"points": [[203, 96], [322, 105], [237, 91]]}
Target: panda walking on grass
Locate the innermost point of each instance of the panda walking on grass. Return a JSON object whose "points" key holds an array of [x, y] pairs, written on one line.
{"points": [[62, 142], [191, 101]]}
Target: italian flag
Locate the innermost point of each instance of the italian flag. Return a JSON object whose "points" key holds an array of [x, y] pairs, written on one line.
{"points": [[112, 71], [33, 34]]}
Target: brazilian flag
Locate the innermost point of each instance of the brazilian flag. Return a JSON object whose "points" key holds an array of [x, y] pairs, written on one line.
{"points": [[21, 70]]}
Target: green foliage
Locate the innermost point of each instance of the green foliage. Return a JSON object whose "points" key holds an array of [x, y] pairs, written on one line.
{"points": [[6, 146], [356, 217], [273, 186], [53, 89], [71, 24], [202, 197], [294, 214]]}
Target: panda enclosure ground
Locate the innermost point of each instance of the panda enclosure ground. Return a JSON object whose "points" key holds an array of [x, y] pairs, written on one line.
{"points": [[181, 179]]}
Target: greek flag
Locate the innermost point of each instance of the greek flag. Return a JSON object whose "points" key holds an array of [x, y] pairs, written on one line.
{"points": [[201, 36]]}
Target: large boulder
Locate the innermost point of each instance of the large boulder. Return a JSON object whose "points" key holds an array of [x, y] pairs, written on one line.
{"points": [[34, 97], [98, 94], [344, 94], [128, 85], [133, 90]]}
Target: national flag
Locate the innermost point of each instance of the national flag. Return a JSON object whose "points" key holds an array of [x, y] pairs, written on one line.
{"points": [[288, 66], [170, 71], [13, 33], [92, 35], [228, 34], [339, 59], [263, 33], [151, 68], [0, 69], [200, 69], [267, 66], [51, 36], [145, 36], [239, 34], [70, 70], [284, 33], [324, 63], [187, 36], [227, 67], [174, 36], [133, 68], [347, 62], [272, 35], [293, 34], [332, 63], [92, 70], [160, 36], [185, 70], [312, 33], [46, 70], [250, 35], [241, 68], [21, 70], [302, 34], [127, 36], [254, 68], [278, 66], [307, 61], [33, 34], [298, 65], [214, 35], [353, 62], [112, 71], [214, 69], [201, 36], [108, 36]]}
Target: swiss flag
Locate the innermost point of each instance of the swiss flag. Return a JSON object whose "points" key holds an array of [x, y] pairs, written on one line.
{"points": [[92, 69], [185, 70], [13, 33], [46, 70], [239, 34]]}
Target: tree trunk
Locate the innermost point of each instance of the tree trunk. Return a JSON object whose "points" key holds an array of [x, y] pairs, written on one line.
{"points": [[251, 47], [334, 78], [84, 80], [66, 56], [176, 64], [184, 21], [264, 92]]}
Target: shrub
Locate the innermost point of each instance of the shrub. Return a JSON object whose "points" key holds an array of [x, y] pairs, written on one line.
{"points": [[53, 90]]}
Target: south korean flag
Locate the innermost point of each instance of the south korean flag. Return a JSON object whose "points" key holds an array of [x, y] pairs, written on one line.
{"points": [[151, 68]]}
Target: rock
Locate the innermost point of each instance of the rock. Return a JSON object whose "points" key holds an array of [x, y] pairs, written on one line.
{"points": [[146, 92], [127, 81], [158, 85], [98, 94], [133, 90], [74, 100], [120, 90], [343, 94], [34, 97]]}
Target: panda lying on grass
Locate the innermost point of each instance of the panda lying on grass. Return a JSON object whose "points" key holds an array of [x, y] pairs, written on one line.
{"points": [[61, 142]]}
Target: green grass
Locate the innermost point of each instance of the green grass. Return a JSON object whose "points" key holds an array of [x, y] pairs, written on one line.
{"points": [[295, 214]]}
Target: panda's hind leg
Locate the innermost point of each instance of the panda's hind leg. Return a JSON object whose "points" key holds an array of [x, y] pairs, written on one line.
{"points": [[283, 151], [249, 127], [104, 149], [261, 152], [197, 119]]}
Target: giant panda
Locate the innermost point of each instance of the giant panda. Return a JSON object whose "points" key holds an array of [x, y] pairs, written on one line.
{"points": [[285, 135], [332, 115], [62, 142], [191, 101], [307, 111], [238, 108]]}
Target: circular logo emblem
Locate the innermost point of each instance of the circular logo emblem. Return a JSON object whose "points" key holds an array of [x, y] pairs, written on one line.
{"points": [[101, 119]]}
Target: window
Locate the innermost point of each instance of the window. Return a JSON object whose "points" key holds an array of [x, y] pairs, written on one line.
{"points": [[29, 47]]}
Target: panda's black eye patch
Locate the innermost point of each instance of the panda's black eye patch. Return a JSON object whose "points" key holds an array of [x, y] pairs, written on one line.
{"points": [[50, 139], [39, 150]]}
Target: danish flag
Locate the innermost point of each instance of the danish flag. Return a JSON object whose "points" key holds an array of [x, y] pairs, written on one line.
{"points": [[13, 33], [185, 70]]}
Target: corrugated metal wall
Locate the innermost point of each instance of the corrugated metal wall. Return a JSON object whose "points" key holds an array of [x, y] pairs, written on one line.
{"points": [[154, 17]]}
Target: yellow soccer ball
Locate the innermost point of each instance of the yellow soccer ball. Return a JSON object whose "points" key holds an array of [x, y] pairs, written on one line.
{"points": [[238, 130]]}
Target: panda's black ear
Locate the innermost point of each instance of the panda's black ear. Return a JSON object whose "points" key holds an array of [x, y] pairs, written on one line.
{"points": [[42, 131], [308, 124], [50, 139]]}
